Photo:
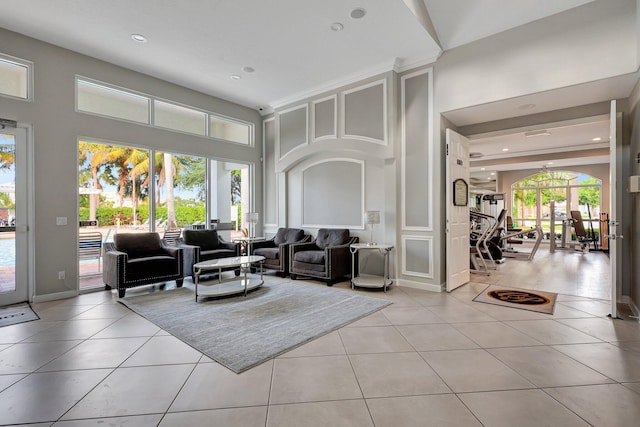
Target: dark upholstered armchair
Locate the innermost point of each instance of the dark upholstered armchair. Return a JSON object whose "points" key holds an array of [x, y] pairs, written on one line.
{"points": [[205, 245], [327, 257], [136, 259], [276, 250]]}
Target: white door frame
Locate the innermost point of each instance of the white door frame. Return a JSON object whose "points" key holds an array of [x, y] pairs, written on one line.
{"points": [[615, 208], [24, 276], [457, 221]]}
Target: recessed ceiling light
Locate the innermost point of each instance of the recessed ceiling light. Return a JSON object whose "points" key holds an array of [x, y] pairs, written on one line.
{"points": [[483, 169], [336, 26], [597, 139], [505, 149], [493, 173], [138, 38], [248, 69], [235, 77], [358, 13], [549, 163]]}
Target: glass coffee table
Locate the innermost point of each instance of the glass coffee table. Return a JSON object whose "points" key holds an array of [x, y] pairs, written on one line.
{"points": [[230, 286]]}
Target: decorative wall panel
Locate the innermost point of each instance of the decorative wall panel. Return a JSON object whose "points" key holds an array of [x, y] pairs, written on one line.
{"points": [[293, 129], [324, 114], [417, 256], [365, 113], [270, 178], [417, 149], [333, 194]]}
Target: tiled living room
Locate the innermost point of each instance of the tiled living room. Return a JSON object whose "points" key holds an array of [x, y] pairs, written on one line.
{"points": [[427, 359]]}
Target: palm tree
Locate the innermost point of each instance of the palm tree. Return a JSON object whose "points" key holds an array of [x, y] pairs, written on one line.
{"points": [[7, 155], [168, 177], [97, 155]]}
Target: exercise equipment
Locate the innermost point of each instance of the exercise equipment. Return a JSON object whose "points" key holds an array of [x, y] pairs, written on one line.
{"points": [[528, 256], [485, 250]]}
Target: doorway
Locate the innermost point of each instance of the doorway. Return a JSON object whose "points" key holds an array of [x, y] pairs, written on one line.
{"points": [[507, 154], [14, 217]]}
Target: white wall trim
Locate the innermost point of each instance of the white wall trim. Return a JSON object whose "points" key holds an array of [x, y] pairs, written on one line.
{"points": [[264, 172], [403, 148], [405, 271], [335, 118], [334, 85], [404, 283], [304, 143], [362, 195], [54, 296], [385, 126]]}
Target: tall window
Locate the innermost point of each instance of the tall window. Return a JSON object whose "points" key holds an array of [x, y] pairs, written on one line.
{"points": [[117, 185], [180, 183], [531, 200]]}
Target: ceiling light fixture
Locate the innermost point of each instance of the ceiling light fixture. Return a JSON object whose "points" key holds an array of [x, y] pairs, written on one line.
{"points": [[235, 77], [532, 133], [358, 13], [505, 149], [483, 169], [596, 139], [336, 26], [475, 155], [248, 69], [526, 106], [138, 38]]}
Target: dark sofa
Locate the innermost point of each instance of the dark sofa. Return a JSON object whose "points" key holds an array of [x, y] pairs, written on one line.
{"points": [[276, 250], [327, 258], [205, 245], [136, 259]]}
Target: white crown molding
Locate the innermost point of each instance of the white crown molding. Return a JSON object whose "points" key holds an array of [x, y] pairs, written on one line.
{"points": [[336, 84], [402, 66]]}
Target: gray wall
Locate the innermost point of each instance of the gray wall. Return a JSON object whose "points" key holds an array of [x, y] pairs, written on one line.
{"points": [[57, 128]]}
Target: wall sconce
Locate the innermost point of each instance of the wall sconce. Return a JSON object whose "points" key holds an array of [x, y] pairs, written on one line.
{"points": [[371, 218]]}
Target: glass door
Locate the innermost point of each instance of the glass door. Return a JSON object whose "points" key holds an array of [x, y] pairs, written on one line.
{"points": [[13, 216]]}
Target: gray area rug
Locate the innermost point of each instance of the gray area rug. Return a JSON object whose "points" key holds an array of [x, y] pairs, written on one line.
{"points": [[243, 332], [18, 313]]}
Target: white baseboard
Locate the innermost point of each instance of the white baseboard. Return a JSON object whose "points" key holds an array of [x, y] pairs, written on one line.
{"points": [[418, 285], [55, 296]]}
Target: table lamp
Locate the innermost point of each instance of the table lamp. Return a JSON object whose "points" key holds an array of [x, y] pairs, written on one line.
{"points": [[251, 218], [372, 217]]}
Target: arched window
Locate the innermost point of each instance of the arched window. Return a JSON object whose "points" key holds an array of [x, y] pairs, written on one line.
{"points": [[531, 199]]}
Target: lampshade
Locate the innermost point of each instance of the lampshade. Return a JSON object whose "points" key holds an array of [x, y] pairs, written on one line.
{"points": [[372, 217], [251, 217]]}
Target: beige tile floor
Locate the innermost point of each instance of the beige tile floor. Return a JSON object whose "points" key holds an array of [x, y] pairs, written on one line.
{"points": [[429, 359]]}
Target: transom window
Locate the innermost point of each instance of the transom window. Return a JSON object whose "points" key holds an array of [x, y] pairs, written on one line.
{"points": [[16, 78], [102, 99]]}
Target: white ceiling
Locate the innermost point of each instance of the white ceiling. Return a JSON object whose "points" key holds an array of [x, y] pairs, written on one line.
{"points": [[199, 44]]}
